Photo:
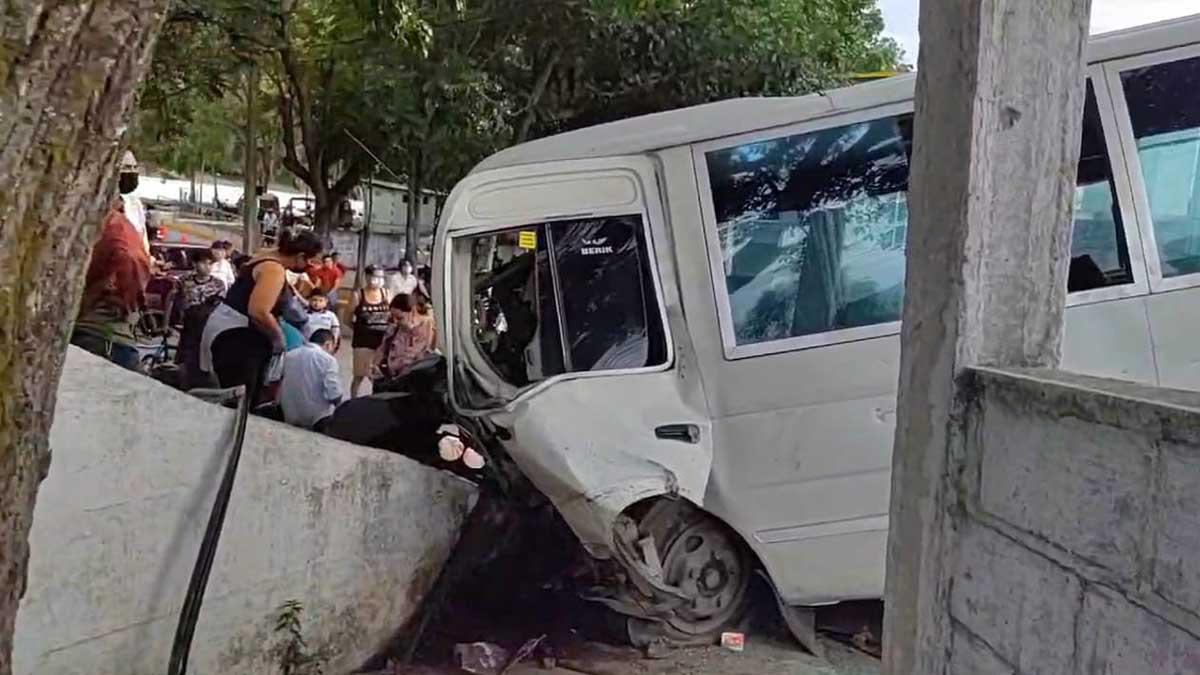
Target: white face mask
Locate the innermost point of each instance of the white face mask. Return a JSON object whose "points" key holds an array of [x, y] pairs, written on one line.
{"points": [[375, 282]]}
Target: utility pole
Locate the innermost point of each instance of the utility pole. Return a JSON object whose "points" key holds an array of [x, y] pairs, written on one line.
{"points": [[250, 238]]}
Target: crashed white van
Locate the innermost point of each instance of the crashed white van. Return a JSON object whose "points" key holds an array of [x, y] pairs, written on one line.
{"points": [[684, 327]]}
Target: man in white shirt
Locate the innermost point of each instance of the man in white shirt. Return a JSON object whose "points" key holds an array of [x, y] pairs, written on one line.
{"points": [[311, 388]]}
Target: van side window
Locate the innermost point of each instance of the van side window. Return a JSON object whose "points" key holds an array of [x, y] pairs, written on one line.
{"points": [[1099, 251], [514, 309], [1166, 123], [605, 297], [812, 229], [565, 296]]}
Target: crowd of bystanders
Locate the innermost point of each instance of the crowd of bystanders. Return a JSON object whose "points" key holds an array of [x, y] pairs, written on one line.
{"points": [[267, 321]]}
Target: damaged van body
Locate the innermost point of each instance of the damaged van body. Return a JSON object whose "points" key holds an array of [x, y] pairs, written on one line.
{"points": [[684, 328]]}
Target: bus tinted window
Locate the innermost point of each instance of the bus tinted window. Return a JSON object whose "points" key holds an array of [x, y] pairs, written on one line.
{"points": [[567, 296], [812, 229], [1099, 254], [603, 296], [1166, 123]]}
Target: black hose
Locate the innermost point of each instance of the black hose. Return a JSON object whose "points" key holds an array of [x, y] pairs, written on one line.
{"points": [[190, 613]]}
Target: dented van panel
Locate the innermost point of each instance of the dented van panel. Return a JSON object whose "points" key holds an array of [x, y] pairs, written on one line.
{"points": [[594, 466]]}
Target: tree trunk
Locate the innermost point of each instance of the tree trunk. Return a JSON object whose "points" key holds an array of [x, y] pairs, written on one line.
{"points": [[69, 72], [325, 214], [412, 229], [249, 180]]}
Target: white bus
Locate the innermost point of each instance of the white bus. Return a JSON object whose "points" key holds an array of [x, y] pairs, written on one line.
{"points": [[684, 327]]}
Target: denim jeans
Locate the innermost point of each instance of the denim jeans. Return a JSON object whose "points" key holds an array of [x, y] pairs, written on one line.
{"points": [[123, 355]]}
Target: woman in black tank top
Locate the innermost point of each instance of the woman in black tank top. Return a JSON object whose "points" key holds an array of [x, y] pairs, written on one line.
{"points": [[371, 315], [244, 332]]}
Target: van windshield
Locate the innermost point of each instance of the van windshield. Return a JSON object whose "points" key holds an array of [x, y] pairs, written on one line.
{"points": [[555, 298]]}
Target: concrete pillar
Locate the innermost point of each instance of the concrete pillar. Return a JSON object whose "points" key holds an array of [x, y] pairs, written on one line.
{"points": [[999, 103]]}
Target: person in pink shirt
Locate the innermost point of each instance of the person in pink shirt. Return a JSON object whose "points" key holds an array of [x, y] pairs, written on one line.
{"points": [[411, 337]]}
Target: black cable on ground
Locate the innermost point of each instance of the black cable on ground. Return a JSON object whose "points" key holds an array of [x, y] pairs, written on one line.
{"points": [[190, 613]]}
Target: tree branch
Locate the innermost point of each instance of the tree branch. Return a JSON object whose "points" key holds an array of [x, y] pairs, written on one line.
{"points": [[529, 114], [349, 179], [290, 160]]}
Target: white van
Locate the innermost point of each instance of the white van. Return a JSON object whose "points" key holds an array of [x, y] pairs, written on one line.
{"points": [[684, 327]]}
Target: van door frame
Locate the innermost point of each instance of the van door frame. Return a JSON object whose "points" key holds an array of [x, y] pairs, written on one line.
{"points": [[593, 517], [652, 217]]}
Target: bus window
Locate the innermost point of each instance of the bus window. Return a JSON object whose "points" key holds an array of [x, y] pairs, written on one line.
{"points": [[1099, 251], [812, 229], [561, 297], [606, 299], [1166, 123], [514, 313]]}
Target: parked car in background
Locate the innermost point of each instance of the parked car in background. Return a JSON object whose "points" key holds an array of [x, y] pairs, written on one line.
{"points": [[298, 213]]}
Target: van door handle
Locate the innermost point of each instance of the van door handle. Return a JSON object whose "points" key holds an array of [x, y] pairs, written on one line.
{"points": [[686, 433]]}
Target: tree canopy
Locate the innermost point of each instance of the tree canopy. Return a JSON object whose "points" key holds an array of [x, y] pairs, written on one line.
{"points": [[433, 86]]}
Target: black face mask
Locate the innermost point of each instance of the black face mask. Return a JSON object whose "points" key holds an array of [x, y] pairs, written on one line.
{"points": [[128, 183]]}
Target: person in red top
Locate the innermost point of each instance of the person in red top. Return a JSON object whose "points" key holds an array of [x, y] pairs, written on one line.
{"points": [[328, 277], [112, 294]]}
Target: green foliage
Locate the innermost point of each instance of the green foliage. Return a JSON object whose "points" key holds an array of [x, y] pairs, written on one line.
{"points": [[291, 651], [631, 57], [432, 86]]}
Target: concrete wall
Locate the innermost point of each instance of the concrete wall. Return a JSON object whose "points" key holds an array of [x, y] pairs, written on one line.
{"points": [[1077, 528], [356, 535], [384, 248]]}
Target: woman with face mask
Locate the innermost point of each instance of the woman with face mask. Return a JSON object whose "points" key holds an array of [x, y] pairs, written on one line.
{"points": [[371, 314], [404, 282], [135, 211], [244, 332]]}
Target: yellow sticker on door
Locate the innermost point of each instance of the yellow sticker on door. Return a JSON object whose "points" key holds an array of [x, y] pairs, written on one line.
{"points": [[528, 239]]}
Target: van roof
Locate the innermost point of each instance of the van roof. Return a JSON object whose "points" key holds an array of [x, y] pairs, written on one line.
{"points": [[638, 135]]}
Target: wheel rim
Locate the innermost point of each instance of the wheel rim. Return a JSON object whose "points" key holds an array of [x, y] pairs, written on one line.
{"points": [[710, 565]]}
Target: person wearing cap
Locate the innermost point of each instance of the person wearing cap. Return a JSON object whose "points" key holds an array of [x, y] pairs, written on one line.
{"points": [[371, 314], [134, 210]]}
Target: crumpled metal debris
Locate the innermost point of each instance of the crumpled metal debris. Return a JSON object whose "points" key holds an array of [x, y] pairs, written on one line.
{"points": [[481, 658]]}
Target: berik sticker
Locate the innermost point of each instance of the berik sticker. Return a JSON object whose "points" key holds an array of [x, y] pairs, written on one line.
{"points": [[598, 246]]}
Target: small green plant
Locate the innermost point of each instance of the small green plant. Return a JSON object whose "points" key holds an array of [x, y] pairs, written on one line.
{"points": [[292, 652]]}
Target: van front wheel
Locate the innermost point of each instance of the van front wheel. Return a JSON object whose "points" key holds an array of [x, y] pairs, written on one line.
{"points": [[709, 563]]}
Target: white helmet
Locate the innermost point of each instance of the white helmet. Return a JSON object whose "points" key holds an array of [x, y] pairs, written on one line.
{"points": [[129, 162]]}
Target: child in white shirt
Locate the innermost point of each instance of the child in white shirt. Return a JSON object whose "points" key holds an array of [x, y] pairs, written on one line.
{"points": [[321, 317]]}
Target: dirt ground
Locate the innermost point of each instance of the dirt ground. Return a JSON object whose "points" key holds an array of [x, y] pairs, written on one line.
{"points": [[765, 653], [529, 590]]}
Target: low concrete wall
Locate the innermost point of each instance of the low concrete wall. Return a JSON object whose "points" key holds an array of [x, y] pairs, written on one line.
{"points": [[384, 249], [355, 535], [1077, 531]]}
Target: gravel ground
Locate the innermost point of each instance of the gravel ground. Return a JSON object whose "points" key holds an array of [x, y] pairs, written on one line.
{"points": [[766, 654]]}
